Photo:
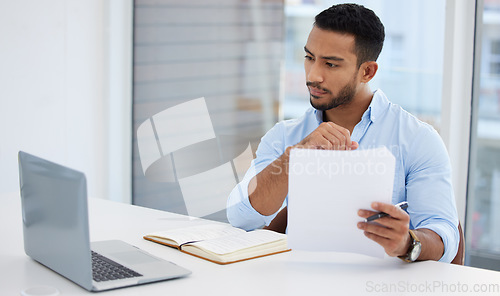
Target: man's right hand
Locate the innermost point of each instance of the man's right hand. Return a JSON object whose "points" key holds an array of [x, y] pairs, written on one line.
{"points": [[329, 136], [268, 189]]}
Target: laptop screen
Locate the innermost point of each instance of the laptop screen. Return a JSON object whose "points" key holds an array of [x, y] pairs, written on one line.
{"points": [[55, 217]]}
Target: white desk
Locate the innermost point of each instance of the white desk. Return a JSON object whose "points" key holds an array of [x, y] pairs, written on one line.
{"points": [[292, 273]]}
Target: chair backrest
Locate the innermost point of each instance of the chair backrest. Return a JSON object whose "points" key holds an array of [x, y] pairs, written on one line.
{"points": [[459, 258], [280, 221]]}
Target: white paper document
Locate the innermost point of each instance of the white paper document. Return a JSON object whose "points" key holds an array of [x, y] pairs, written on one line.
{"points": [[326, 190]]}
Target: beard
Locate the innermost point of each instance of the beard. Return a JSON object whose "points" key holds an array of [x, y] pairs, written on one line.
{"points": [[345, 96]]}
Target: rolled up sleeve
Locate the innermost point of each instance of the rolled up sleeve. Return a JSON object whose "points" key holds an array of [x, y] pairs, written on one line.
{"points": [[240, 213], [429, 191]]}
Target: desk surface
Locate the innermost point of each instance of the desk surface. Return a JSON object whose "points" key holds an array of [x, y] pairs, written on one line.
{"points": [[292, 273]]}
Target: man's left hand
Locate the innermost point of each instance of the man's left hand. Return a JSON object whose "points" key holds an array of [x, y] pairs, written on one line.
{"points": [[391, 232]]}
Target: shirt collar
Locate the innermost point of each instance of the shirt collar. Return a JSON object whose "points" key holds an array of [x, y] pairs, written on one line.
{"points": [[377, 106], [319, 116]]}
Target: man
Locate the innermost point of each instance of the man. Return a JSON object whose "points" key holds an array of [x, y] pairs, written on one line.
{"points": [[340, 60]]}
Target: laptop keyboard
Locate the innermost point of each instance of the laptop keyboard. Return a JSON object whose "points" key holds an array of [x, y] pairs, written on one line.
{"points": [[104, 269]]}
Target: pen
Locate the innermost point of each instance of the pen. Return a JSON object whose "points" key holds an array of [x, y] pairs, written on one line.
{"points": [[403, 205]]}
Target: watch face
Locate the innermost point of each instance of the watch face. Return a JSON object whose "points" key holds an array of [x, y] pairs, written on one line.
{"points": [[415, 252]]}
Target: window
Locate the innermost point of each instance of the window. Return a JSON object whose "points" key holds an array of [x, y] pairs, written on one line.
{"points": [[206, 88], [494, 57], [495, 47], [483, 201]]}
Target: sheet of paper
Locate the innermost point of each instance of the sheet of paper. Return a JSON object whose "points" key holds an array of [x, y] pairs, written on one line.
{"points": [[326, 189]]}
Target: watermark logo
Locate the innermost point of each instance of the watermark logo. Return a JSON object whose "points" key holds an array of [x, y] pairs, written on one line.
{"points": [[363, 162], [405, 287], [179, 145]]}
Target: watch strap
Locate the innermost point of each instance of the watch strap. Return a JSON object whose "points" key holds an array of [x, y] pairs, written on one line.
{"points": [[414, 242]]}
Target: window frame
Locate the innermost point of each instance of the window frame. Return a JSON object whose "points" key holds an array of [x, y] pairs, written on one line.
{"points": [[457, 98]]}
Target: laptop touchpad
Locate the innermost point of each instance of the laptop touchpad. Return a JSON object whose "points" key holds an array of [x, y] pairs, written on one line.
{"points": [[134, 257]]}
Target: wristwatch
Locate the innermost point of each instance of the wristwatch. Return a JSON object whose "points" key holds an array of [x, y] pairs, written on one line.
{"points": [[414, 249]]}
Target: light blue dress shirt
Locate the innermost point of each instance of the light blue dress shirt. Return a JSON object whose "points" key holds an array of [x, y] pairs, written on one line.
{"points": [[423, 171]]}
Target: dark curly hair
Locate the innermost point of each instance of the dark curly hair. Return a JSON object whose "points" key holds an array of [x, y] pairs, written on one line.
{"points": [[359, 21]]}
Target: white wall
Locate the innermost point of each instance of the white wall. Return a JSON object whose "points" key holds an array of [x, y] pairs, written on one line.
{"points": [[55, 97]]}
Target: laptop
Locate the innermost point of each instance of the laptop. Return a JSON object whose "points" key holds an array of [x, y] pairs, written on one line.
{"points": [[56, 232]]}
